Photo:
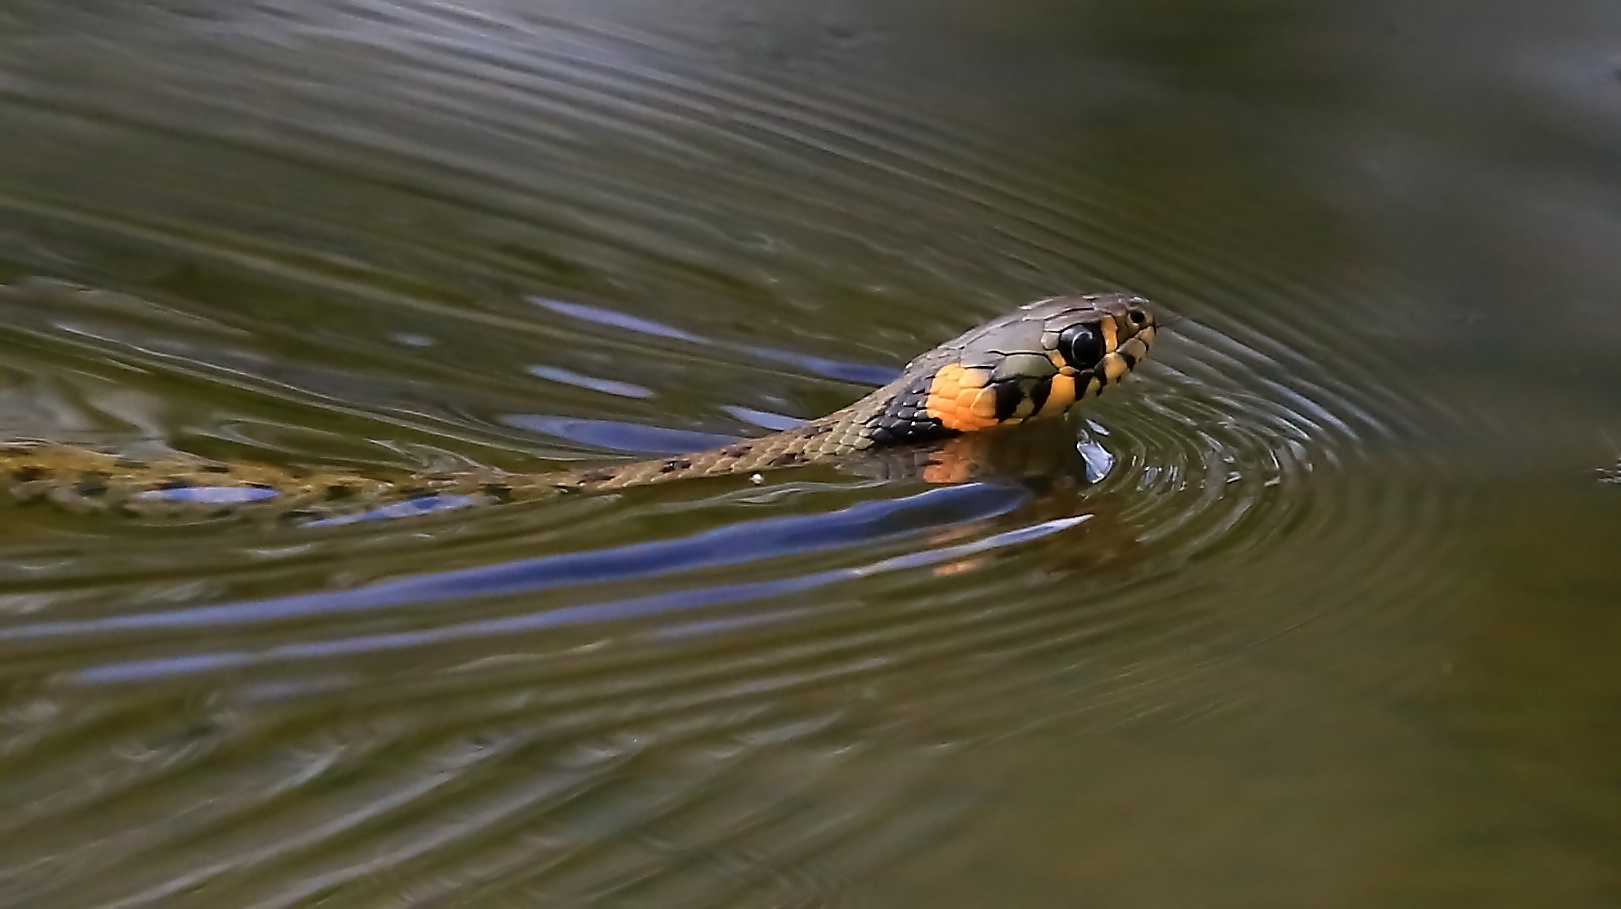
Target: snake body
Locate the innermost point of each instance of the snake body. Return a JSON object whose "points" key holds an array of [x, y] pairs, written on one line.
{"points": [[1035, 362]]}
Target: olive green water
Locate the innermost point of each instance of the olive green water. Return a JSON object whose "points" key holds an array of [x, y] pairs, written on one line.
{"points": [[1336, 627]]}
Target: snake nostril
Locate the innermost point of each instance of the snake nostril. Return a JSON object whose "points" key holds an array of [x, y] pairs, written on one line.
{"points": [[1138, 317]]}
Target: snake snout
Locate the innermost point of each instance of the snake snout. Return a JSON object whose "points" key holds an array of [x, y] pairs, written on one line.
{"points": [[1137, 315]]}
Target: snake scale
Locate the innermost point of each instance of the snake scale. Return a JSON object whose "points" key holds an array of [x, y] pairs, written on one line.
{"points": [[1035, 362]]}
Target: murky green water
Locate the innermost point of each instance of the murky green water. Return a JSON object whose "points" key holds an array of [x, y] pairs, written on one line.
{"points": [[1335, 629]]}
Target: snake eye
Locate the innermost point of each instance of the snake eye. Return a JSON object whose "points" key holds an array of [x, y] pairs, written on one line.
{"points": [[1080, 346]]}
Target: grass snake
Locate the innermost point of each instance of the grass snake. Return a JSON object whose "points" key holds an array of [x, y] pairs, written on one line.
{"points": [[1033, 363]]}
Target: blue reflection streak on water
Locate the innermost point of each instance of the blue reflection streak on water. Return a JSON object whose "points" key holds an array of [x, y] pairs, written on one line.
{"points": [[775, 422], [617, 320], [409, 508], [208, 495], [636, 607], [595, 383], [633, 437], [844, 370], [920, 559], [734, 544]]}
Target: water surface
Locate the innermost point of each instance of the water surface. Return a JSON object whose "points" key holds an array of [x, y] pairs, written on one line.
{"points": [[1331, 628]]}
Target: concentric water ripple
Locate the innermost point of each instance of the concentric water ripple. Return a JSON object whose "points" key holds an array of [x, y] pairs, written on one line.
{"points": [[418, 235]]}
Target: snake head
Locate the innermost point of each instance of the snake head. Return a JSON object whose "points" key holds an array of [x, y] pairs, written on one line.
{"points": [[1037, 361], [1034, 362]]}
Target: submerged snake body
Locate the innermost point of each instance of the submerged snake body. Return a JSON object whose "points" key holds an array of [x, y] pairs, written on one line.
{"points": [[1032, 363]]}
